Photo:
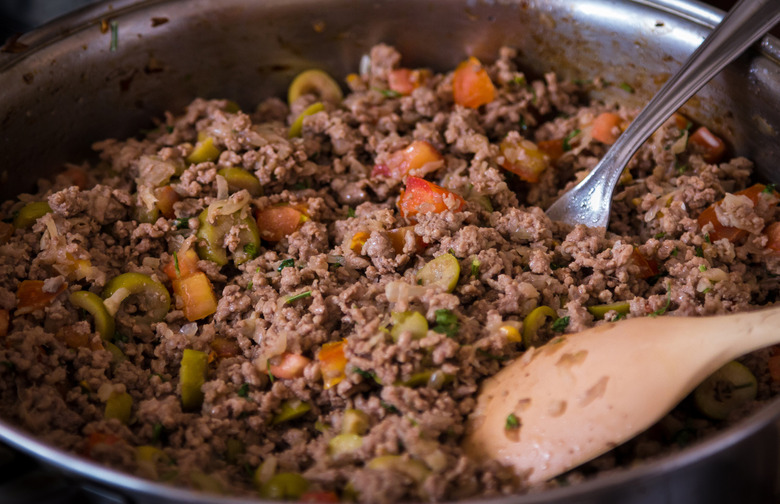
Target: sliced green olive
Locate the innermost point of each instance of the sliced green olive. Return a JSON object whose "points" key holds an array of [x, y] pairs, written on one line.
{"points": [[119, 406], [314, 82], [117, 355], [533, 322], [600, 311], [435, 379], [147, 457], [297, 127], [291, 410], [93, 304], [443, 271], [725, 390], [30, 213], [238, 178], [415, 469], [154, 294], [289, 486], [411, 321], [234, 449], [212, 236], [192, 376], [354, 422], [204, 151], [206, 483], [144, 215], [344, 443]]}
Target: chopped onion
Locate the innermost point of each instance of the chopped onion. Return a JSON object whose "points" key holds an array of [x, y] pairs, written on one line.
{"points": [[154, 171], [222, 188], [235, 203], [678, 147], [189, 329], [112, 303], [402, 291], [365, 65]]}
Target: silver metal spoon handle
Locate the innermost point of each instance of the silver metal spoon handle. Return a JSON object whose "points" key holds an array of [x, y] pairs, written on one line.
{"points": [[589, 201]]}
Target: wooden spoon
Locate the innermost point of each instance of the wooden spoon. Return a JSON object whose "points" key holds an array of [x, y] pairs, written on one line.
{"points": [[582, 394]]}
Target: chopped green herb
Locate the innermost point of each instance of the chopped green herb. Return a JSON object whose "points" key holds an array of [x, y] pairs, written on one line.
{"points": [[296, 297], [561, 324], [512, 422], [523, 124], [250, 249], [489, 355], [625, 86], [702, 268], [660, 235], [707, 238], [182, 223], [535, 98], [452, 253], [389, 407], [446, 323], [350, 212], [114, 36], [157, 432], [176, 264], [554, 266], [250, 285], [662, 310], [268, 368], [705, 291], [520, 81], [475, 264], [618, 317], [769, 189], [674, 252], [699, 252], [118, 336], [368, 375], [388, 93], [300, 186], [169, 129], [568, 138], [681, 168], [286, 264], [243, 390]]}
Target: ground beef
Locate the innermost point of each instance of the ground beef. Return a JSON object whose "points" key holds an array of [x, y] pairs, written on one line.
{"points": [[383, 420]]}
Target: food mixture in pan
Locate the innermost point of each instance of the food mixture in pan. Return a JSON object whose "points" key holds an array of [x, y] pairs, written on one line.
{"points": [[300, 301]]}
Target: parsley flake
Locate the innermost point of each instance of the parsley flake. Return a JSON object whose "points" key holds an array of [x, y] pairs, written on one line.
{"points": [[350, 212], [625, 86], [769, 189], [250, 249], [243, 390], [182, 223], [561, 324], [286, 264], [446, 323], [512, 422], [662, 310], [475, 264], [568, 138], [298, 296]]}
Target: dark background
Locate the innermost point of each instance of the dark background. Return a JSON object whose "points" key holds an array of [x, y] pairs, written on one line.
{"points": [[19, 16]]}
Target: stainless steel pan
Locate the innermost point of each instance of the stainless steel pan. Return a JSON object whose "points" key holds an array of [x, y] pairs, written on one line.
{"points": [[78, 80]]}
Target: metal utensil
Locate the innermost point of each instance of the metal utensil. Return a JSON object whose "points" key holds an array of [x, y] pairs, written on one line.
{"points": [[589, 201], [581, 395]]}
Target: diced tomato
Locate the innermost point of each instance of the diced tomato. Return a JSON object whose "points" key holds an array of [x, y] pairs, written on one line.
{"points": [[418, 154], [704, 142], [5, 320], [524, 159], [719, 231], [606, 128], [326, 497], [553, 148], [197, 296], [224, 347], [99, 438], [421, 196], [77, 176], [166, 197], [647, 267], [187, 263], [358, 240], [774, 367], [471, 84], [288, 365], [405, 80], [398, 239], [275, 223], [73, 338], [31, 296], [772, 232], [333, 362]]}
